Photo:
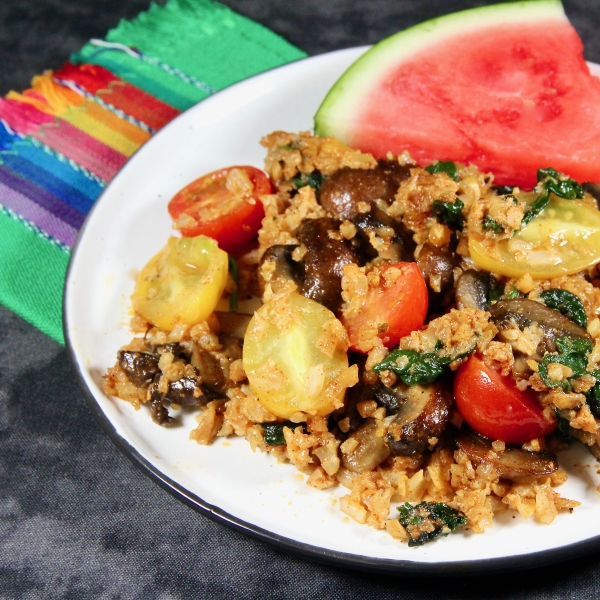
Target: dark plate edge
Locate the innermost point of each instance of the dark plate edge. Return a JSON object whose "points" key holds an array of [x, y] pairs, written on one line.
{"points": [[312, 553]]}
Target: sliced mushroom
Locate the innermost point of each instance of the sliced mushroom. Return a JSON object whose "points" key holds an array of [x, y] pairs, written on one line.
{"points": [[437, 266], [381, 224], [513, 463], [473, 289], [285, 268], [343, 193], [209, 369], [593, 189], [158, 411], [324, 261], [188, 391], [370, 450], [421, 418], [233, 324], [522, 312], [139, 367]]}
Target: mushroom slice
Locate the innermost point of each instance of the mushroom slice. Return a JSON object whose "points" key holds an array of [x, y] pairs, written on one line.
{"points": [[513, 463], [369, 452], [473, 289], [421, 419], [523, 312]]}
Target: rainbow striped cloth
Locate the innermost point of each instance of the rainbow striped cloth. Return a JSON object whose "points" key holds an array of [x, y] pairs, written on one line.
{"points": [[64, 139]]}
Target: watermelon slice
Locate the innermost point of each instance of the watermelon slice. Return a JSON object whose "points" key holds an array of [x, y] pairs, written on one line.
{"points": [[504, 87]]}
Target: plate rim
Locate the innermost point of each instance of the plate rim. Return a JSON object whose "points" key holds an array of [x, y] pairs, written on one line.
{"points": [[457, 568]]}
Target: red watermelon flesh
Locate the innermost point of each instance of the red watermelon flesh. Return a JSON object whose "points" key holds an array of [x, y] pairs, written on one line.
{"points": [[507, 99]]}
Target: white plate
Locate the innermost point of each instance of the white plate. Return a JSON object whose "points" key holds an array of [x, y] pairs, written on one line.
{"points": [[227, 480]]}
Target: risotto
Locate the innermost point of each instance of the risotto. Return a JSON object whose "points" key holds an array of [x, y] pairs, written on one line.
{"points": [[415, 334]]}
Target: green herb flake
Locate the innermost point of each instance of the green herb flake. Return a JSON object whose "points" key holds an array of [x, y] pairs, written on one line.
{"points": [[314, 180], [449, 213], [536, 207], [567, 303], [551, 181], [573, 353], [426, 521], [490, 224], [443, 166], [417, 367], [513, 293], [273, 432], [558, 184], [562, 427], [503, 190]]}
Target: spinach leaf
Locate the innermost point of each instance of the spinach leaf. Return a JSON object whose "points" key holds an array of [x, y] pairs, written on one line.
{"points": [[503, 190], [443, 166], [513, 293], [490, 224], [536, 207], [428, 520], [551, 181], [314, 180], [274, 432], [593, 396], [417, 367], [235, 275], [449, 213], [572, 352], [566, 303], [562, 427], [565, 188]]}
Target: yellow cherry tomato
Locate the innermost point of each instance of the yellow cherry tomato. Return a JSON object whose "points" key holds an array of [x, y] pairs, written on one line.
{"points": [[182, 283], [563, 239], [295, 357]]}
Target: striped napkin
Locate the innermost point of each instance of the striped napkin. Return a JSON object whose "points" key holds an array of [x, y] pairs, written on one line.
{"points": [[65, 138]]}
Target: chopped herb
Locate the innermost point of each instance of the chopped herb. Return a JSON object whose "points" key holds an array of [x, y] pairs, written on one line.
{"points": [[314, 180], [536, 207], [274, 432], [449, 213], [513, 293], [562, 427], [550, 180], [235, 275], [443, 166], [428, 520], [495, 292], [566, 303], [572, 352], [503, 190], [490, 224], [593, 397], [565, 187], [416, 367]]}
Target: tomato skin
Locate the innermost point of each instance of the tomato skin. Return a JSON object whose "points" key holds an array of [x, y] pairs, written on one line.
{"points": [[401, 306], [494, 407], [207, 207]]}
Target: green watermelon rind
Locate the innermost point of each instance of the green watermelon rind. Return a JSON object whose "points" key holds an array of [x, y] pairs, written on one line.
{"points": [[345, 97]]}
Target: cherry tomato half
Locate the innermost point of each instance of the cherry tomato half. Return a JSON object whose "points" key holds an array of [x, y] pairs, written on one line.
{"points": [[494, 407], [224, 205], [395, 308]]}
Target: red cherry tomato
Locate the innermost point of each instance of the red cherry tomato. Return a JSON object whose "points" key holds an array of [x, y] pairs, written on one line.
{"points": [[208, 207], [397, 307], [494, 407]]}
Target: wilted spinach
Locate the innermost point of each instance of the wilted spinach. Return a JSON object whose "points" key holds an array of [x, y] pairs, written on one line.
{"points": [[566, 303], [428, 520]]}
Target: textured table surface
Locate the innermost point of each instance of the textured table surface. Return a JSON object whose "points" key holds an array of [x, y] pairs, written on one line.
{"points": [[77, 520]]}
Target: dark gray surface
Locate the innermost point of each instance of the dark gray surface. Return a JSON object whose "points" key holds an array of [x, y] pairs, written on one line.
{"points": [[77, 520]]}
